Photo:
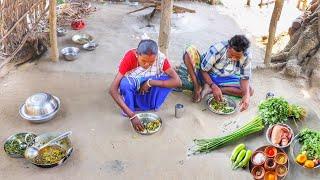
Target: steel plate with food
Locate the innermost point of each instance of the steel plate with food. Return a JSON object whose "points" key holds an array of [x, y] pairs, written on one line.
{"points": [[16, 144], [151, 122], [305, 149], [227, 106], [269, 162], [54, 154], [82, 38], [50, 156]]}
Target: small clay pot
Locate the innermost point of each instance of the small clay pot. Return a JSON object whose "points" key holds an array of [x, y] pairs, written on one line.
{"points": [[278, 156], [270, 148], [254, 154], [281, 170], [270, 164], [258, 172], [268, 173]]}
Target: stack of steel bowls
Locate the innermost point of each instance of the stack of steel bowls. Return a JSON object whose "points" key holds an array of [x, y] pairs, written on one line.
{"points": [[40, 107]]}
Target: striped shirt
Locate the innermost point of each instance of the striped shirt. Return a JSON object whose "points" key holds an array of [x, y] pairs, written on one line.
{"points": [[216, 61]]}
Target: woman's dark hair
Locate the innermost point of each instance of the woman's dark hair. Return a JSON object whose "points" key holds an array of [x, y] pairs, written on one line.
{"points": [[239, 43], [147, 46]]}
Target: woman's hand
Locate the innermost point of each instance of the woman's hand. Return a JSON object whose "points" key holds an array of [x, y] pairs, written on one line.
{"points": [[144, 88], [136, 123]]}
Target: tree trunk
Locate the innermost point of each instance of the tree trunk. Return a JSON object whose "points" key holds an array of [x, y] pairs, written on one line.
{"points": [[54, 54], [319, 24], [272, 30], [301, 56], [165, 25]]}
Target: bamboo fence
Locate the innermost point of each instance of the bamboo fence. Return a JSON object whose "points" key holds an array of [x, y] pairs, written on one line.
{"points": [[21, 25]]}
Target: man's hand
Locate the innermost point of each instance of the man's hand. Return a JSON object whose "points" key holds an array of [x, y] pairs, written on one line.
{"points": [[244, 103], [217, 93], [144, 88], [136, 123]]}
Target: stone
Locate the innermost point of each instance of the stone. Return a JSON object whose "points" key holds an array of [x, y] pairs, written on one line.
{"points": [[292, 68]]}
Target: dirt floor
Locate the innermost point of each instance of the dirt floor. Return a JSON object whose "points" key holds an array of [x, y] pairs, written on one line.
{"points": [[106, 147]]}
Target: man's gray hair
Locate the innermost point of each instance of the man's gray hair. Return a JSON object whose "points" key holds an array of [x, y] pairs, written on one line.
{"points": [[148, 47]]}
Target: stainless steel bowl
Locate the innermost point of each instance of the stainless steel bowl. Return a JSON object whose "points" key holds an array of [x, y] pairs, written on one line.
{"points": [[61, 31], [40, 107], [269, 131], [90, 46], [295, 150], [82, 38], [64, 144], [145, 118], [70, 53]]}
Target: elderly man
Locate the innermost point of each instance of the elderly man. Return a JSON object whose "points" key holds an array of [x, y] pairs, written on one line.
{"points": [[224, 69], [143, 82]]}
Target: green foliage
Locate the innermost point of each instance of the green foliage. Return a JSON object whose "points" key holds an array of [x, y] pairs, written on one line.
{"points": [[296, 112], [274, 110], [310, 141]]}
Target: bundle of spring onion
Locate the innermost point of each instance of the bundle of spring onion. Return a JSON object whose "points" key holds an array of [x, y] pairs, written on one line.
{"points": [[271, 111]]}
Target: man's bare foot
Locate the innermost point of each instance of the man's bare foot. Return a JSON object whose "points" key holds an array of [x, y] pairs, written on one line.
{"points": [[205, 91], [197, 95]]}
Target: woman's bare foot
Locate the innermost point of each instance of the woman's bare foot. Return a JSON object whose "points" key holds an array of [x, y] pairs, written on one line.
{"points": [[205, 91], [197, 95]]}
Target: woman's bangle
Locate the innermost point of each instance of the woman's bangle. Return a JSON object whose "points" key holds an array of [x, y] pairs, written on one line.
{"points": [[148, 83], [133, 117]]}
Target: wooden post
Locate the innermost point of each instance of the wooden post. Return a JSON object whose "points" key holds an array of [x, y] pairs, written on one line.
{"points": [[248, 2], [165, 25], [272, 30], [54, 54], [318, 21], [213, 2], [261, 2]]}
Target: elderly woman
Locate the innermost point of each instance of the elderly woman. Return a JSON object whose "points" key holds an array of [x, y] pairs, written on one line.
{"points": [[143, 82]]}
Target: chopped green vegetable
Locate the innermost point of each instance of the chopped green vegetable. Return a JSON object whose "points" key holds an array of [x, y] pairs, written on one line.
{"points": [[16, 145], [153, 125], [50, 155], [221, 107], [310, 141]]}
